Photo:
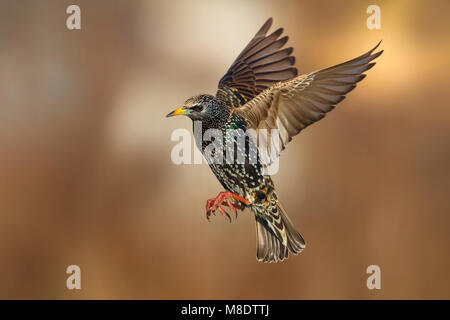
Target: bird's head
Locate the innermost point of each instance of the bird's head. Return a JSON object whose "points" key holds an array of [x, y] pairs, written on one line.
{"points": [[202, 107]]}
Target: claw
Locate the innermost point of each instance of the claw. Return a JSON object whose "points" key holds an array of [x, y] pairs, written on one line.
{"points": [[224, 213], [227, 199], [208, 208], [231, 206]]}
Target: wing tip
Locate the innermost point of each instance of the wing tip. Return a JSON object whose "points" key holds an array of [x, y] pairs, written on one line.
{"points": [[276, 33], [374, 48], [282, 41], [376, 54], [266, 26]]}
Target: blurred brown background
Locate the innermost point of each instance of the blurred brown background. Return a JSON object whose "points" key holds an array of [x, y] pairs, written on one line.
{"points": [[86, 175]]}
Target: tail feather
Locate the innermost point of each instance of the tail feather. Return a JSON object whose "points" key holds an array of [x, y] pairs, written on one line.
{"points": [[277, 246]]}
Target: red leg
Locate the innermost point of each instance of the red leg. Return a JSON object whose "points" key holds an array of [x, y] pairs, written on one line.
{"points": [[224, 198]]}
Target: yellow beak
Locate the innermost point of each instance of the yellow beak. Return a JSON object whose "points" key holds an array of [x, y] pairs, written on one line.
{"points": [[177, 112]]}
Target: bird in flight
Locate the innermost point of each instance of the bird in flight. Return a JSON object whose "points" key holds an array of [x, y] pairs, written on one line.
{"points": [[262, 91]]}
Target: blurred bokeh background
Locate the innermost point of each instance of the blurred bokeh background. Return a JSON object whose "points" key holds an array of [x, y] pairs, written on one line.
{"points": [[86, 175]]}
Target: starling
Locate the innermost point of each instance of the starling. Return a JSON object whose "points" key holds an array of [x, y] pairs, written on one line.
{"points": [[262, 90]]}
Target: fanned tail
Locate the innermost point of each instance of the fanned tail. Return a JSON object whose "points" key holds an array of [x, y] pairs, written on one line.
{"points": [[276, 235]]}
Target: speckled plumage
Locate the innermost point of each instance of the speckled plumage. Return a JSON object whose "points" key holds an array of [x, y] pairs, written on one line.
{"points": [[246, 178], [261, 90]]}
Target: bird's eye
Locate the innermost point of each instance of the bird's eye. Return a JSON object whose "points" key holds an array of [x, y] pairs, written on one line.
{"points": [[197, 108]]}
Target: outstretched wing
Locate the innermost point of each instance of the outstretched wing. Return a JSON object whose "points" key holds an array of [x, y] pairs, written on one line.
{"points": [[261, 64], [290, 106]]}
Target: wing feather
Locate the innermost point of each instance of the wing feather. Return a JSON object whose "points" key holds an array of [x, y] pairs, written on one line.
{"points": [[292, 105], [262, 63]]}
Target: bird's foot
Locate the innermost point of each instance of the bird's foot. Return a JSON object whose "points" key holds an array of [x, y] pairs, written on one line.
{"points": [[228, 199]]}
